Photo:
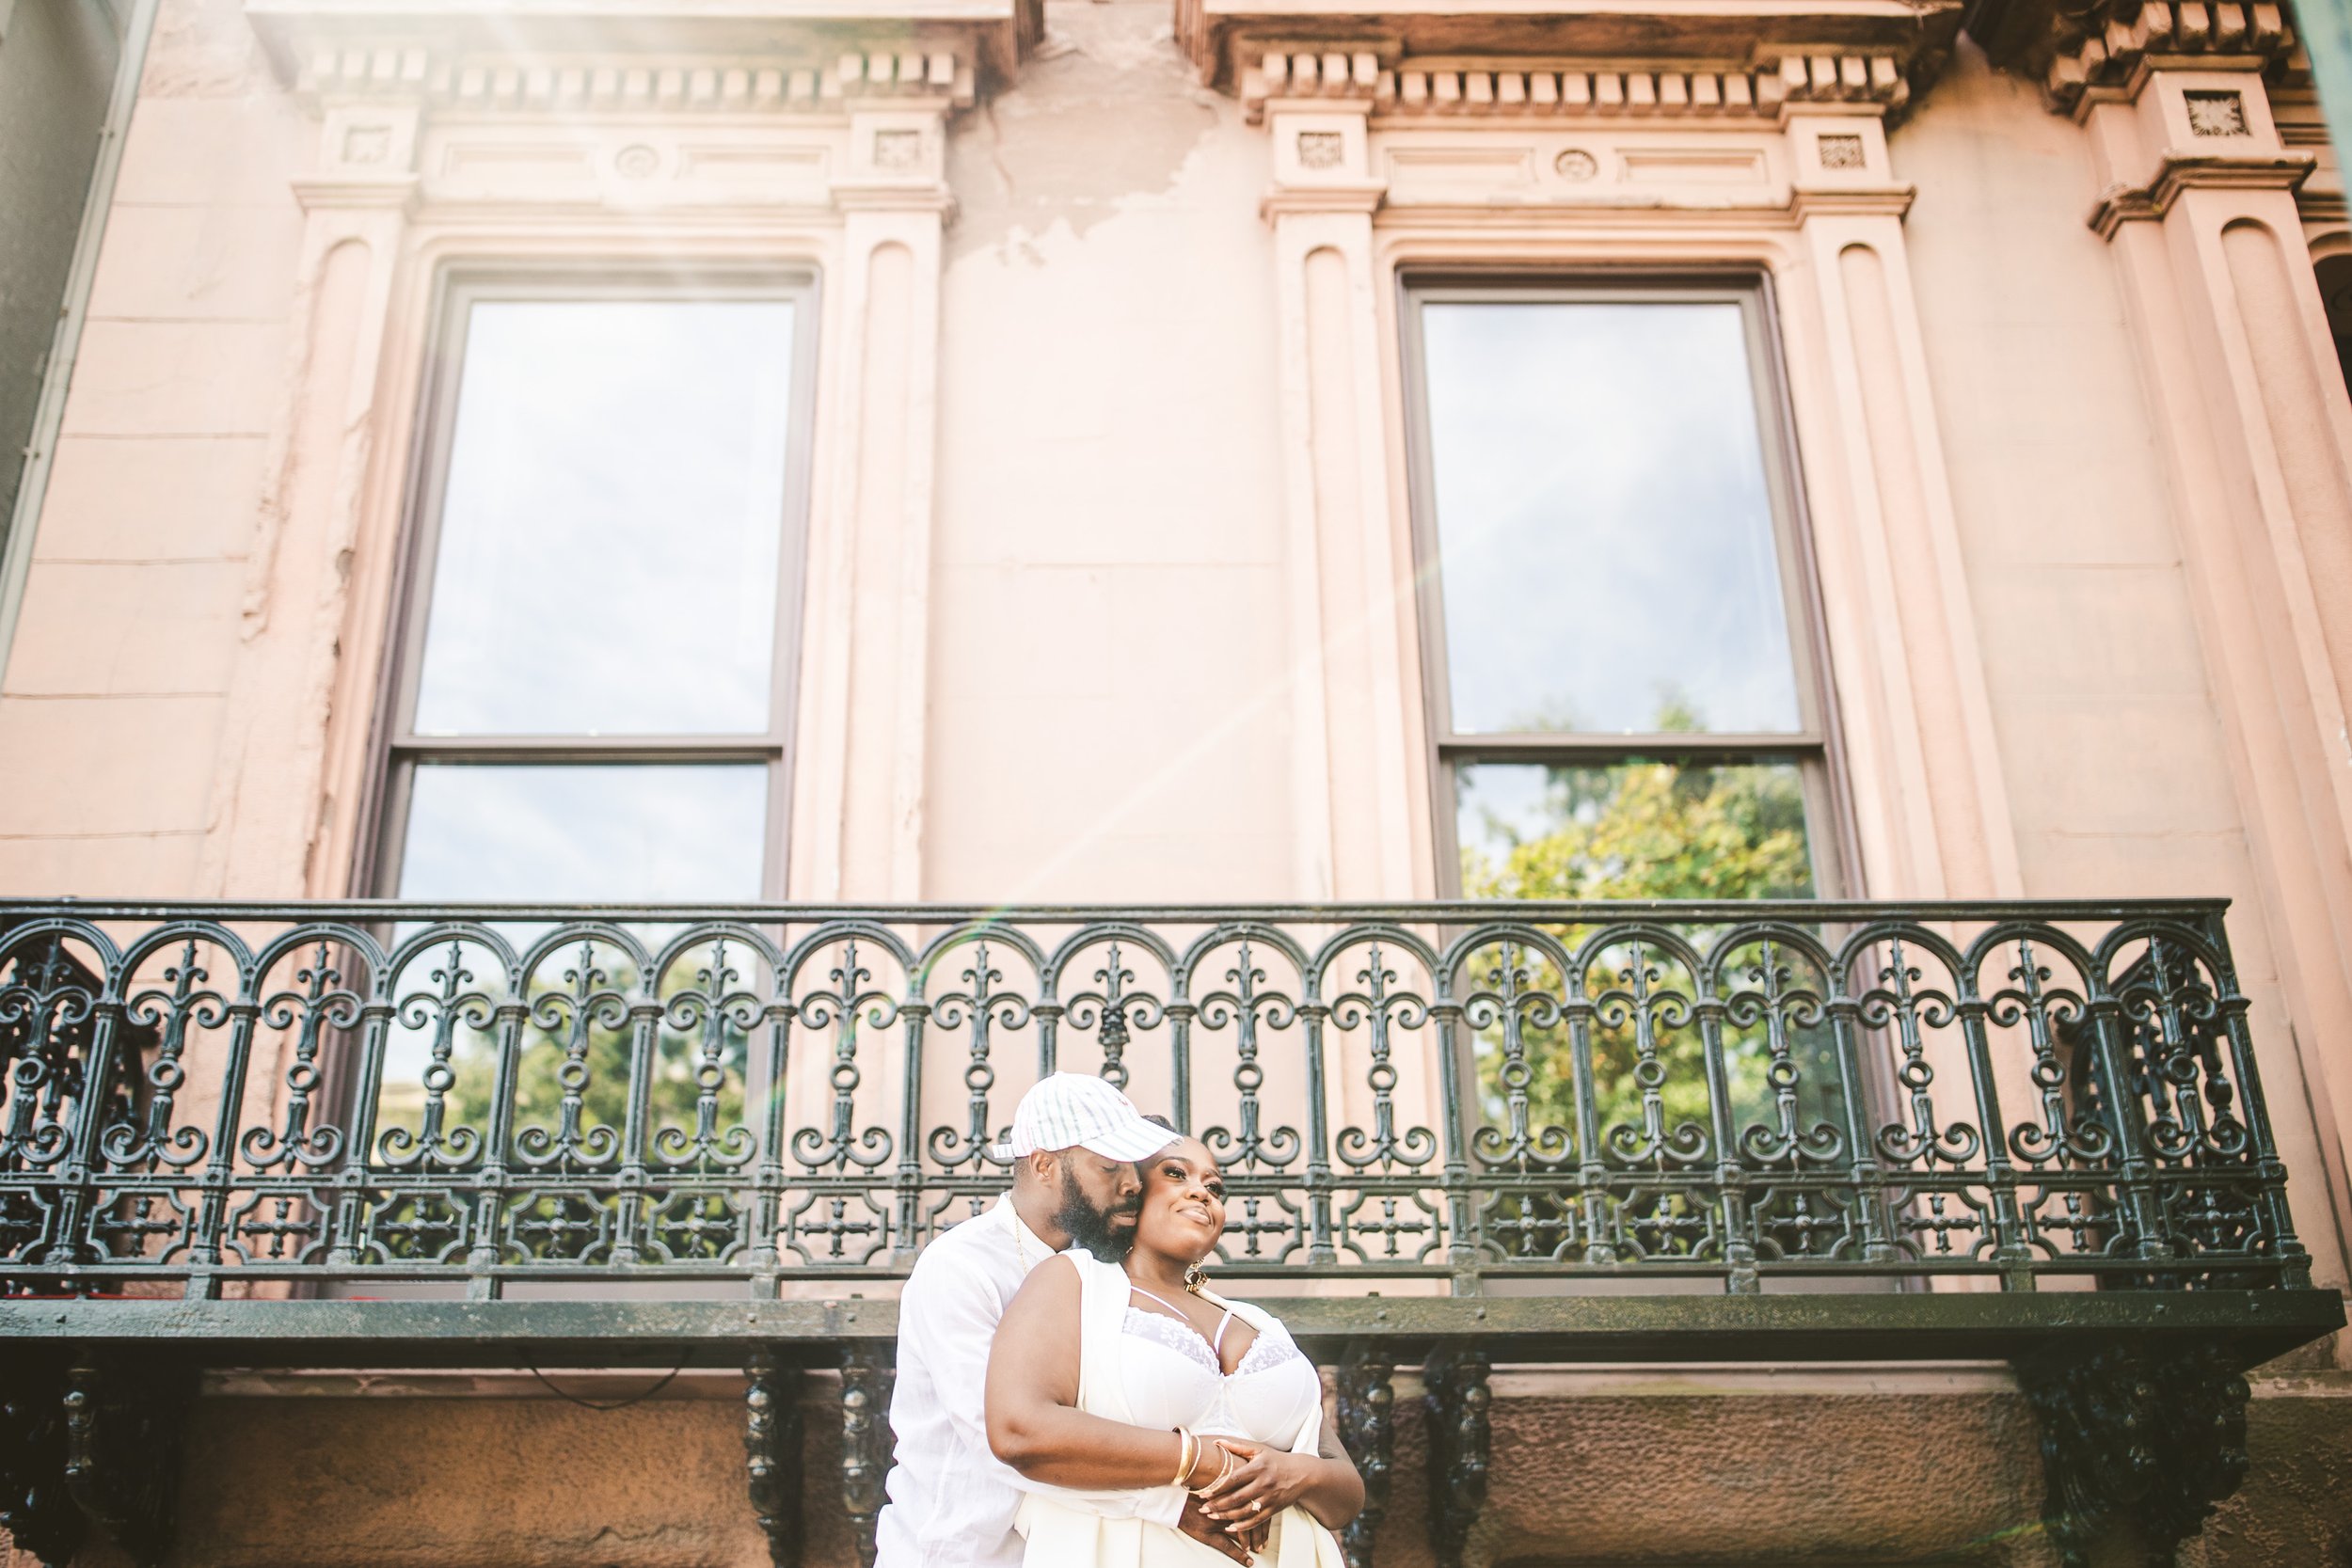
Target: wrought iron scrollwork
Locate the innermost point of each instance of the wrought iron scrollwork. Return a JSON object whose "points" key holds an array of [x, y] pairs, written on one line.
{"points": [[1367, 1401], [2145, 1439], [323, 1093], [124, 1426], [868, 1376], [1456, 1400], [35, 1509], [771, 1453]]}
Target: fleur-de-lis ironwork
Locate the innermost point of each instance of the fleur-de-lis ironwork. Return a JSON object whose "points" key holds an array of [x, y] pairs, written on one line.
{"points": [[1636, 1000], [190, 1004], [1380, 1010], [720, 1015], [587, 1003], [1912, 1010], [39, 1014], [981, 1009], [435, 1139], [849, 1005], [1249, 1145], [321, 1005]]}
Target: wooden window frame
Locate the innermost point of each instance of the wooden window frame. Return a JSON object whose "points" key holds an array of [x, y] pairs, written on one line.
{"points": [[399, 750], [1816, 747]]}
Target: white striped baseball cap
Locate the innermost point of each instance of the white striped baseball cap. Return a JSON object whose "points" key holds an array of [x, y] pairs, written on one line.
{"points": [[1075, 1110]]}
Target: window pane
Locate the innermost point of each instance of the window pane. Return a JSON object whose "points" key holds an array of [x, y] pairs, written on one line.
{"points": [[1604, 526], [602, 833], [608, 549], [1633, 830]]}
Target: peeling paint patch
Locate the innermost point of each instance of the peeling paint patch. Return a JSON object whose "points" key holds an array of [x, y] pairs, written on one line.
{"points": [[1107, 114]]}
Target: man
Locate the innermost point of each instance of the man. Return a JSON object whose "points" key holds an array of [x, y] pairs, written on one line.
{"points": [[1074, 1143]]}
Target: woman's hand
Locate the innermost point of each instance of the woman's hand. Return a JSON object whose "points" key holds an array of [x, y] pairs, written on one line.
{"points": [[1260, 1484]]}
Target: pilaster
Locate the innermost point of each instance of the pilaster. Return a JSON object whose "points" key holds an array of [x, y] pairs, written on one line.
{"points": [[862, 758], [271, 798], [1353, 760], [1930, 804]]}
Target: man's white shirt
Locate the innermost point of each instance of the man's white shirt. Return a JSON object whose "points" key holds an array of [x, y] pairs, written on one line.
{"points": [[951, 1500]]}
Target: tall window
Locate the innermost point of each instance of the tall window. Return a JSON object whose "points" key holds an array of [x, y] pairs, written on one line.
{"points": [[593, 692], [1623, 684]]}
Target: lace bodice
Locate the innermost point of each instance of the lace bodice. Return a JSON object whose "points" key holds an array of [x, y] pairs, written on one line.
{"points": [[1272, 1346], [1174, 1380]]}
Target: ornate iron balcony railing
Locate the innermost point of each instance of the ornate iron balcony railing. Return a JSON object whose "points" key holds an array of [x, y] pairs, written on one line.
{"points": [[488, 1097]]}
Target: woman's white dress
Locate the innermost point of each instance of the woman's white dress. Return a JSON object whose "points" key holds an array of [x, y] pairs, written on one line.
{"points": [[1148, 1370]]}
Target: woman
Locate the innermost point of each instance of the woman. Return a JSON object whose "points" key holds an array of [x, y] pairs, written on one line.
{"points": [[1109, 1376]]}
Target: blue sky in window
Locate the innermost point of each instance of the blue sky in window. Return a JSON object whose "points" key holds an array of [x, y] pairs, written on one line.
{"points": [[1604, 523], [610, 535]]}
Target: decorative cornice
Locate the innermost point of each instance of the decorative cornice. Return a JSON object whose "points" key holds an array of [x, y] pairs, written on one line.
{"points": [[727, 85], [1438, 85], [2089, 53], [2121, 204], [1510, 46], [728, 55]]}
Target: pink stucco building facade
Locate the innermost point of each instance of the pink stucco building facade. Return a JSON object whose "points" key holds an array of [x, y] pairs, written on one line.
{"points": [[1067, 409]]}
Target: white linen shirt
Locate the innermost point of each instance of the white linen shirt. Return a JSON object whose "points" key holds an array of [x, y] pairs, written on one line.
{"points": [[951, 1500]]}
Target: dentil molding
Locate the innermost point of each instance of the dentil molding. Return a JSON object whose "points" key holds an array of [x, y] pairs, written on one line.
{"points": [[720, 55]]}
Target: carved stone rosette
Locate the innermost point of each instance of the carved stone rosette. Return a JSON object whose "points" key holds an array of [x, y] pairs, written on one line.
{"points": [[123, 1425], [2147, 1438], [1367, 1401], [771, 1453], [868, 1376], [1456, 1400]]}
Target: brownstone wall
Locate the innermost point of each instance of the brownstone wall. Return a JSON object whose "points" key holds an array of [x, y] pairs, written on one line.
{"points": [[1592, 1469]]}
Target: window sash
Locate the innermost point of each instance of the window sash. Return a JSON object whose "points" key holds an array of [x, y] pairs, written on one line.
{"points": [[1814, 747], [402, 749]]}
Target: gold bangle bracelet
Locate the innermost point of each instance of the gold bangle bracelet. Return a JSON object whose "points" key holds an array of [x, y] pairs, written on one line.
{"points": [[1223, 1469], [1188, 1454]]}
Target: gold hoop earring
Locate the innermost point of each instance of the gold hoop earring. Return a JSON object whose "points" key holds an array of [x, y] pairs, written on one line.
{"points": [[1195, 1277]]}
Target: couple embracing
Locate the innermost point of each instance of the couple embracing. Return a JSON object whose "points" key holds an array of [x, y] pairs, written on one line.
{"points": [[1071, 1395]]}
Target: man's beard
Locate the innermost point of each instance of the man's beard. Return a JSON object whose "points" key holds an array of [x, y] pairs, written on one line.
{"points": [[1093, 1229]]}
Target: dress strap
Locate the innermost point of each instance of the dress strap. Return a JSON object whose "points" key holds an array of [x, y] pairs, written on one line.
{"points": [[1216, 1343], [1161, 1299]]}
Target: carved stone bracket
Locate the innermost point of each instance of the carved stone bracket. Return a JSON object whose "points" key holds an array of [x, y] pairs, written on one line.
{"points": [[771, 1453], [2149, 1439], [1367, 1402], [35, 1508], [868, 1376], [2084, 52], [124, 1426], [1459, 1437]]}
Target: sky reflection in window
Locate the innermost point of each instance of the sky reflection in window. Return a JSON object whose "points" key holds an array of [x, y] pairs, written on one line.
{"points": [[1604, 524], [608, 551], [587, 832]]}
